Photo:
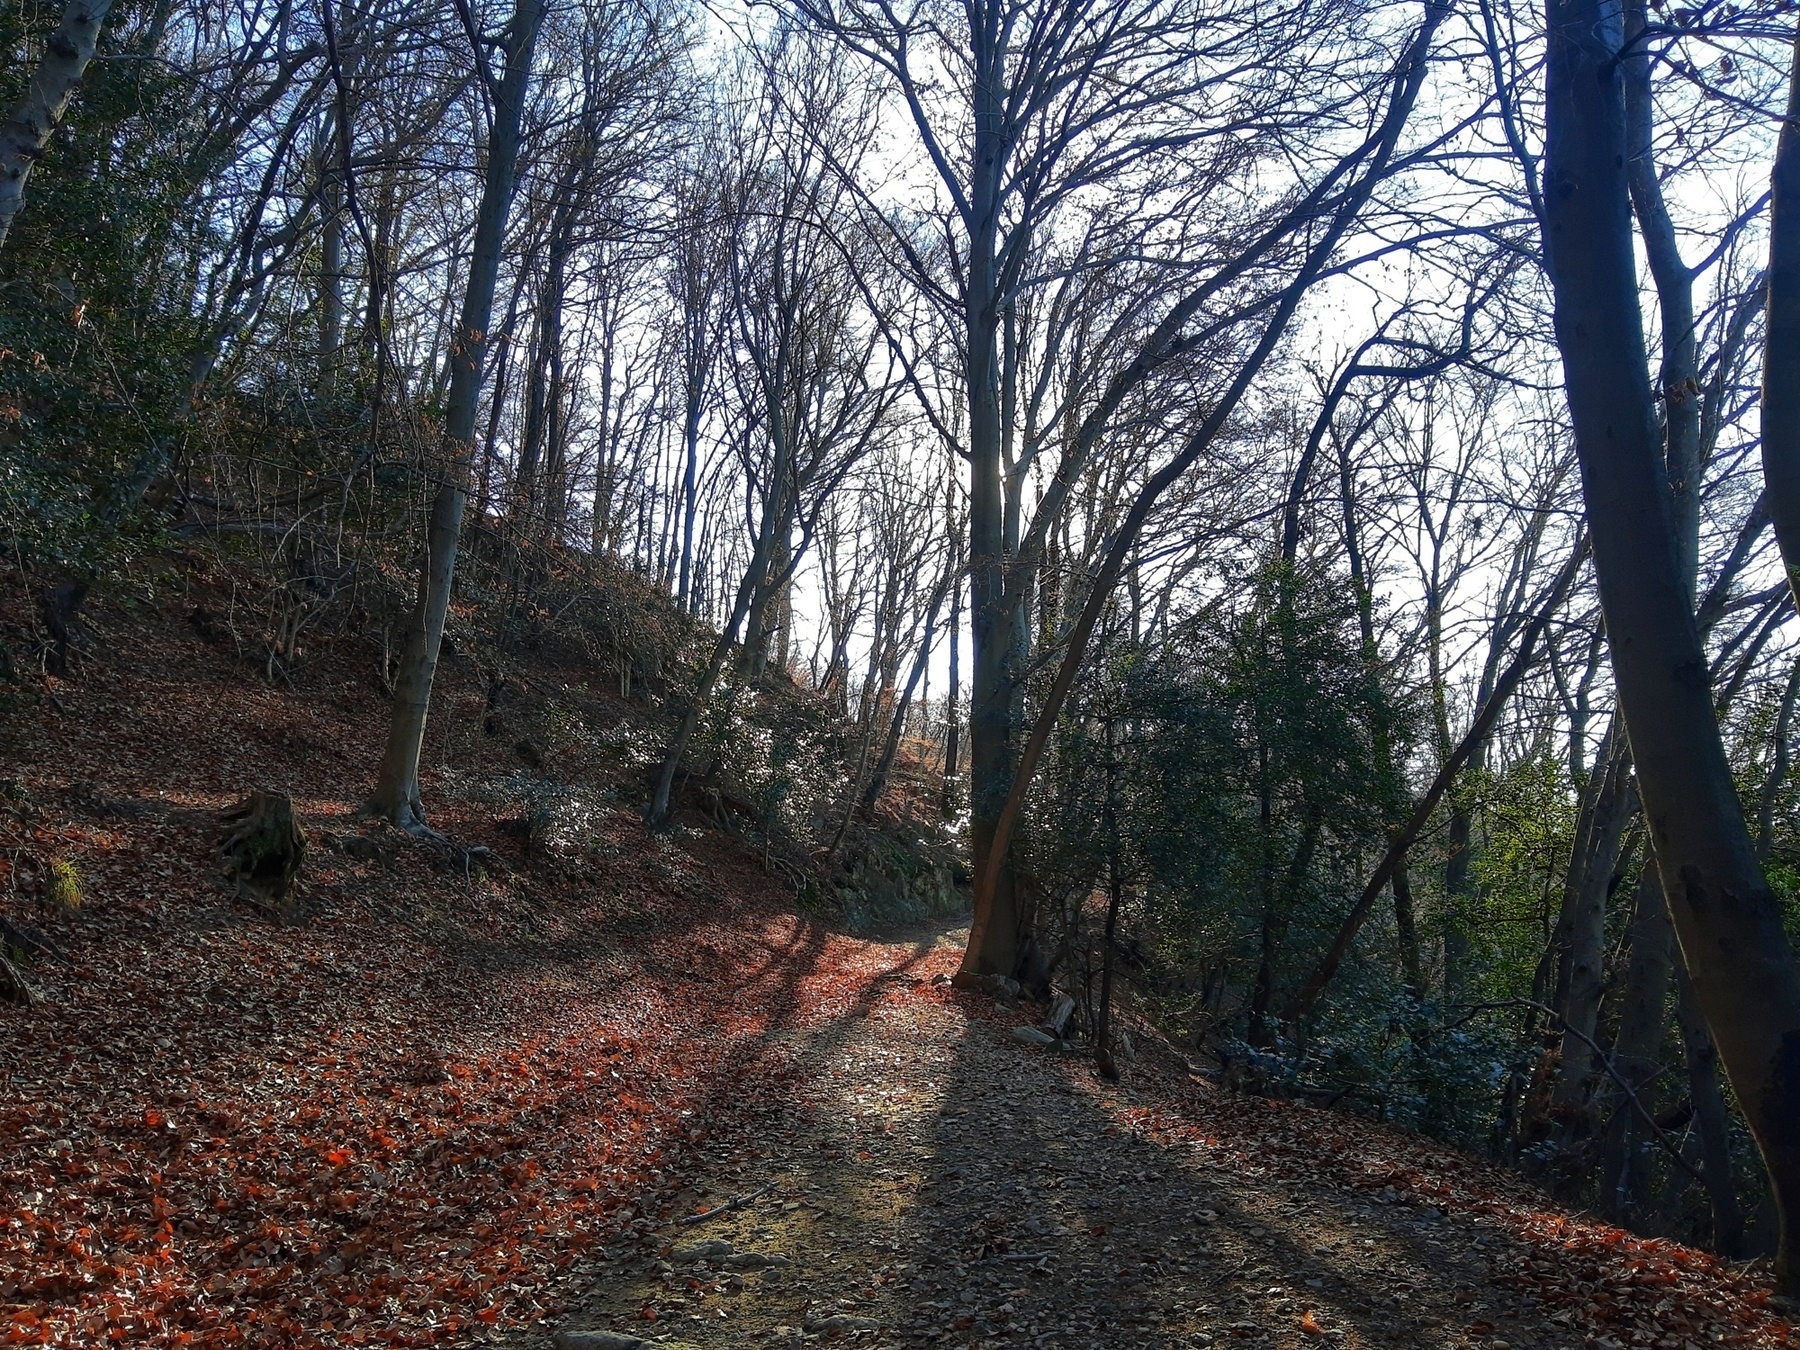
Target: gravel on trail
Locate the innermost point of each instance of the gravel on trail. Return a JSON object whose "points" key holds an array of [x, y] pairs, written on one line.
{"points": [[941, 1183]]}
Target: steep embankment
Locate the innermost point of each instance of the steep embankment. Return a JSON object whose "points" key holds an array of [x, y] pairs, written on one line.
{"points": [[457, 1106]]}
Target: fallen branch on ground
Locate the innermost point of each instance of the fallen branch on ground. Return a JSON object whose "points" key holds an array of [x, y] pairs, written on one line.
{"points": [[730, 1206]]}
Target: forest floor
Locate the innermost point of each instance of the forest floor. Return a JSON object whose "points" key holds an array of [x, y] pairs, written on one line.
{"points": [[477, 1104]]}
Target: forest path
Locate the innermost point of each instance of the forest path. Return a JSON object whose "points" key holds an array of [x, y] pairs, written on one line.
{"points": [[937, 1181], [455, 1102]]}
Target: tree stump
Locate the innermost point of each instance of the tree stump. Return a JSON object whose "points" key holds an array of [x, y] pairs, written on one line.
{"points": [[264, 850]]}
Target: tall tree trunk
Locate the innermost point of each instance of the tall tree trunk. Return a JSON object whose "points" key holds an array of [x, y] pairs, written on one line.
{"points": [[331, 275], [991, 704], [1779, 768], [26, 133], [1746, 981], [890, 749], [952, 703], [1105, 1062], [1713, 1121], [995, 948], [1406, 922], [1278, 913], [1406, 929], [1581, 930], [1781, 345], [994, 929], [396, 796], [1643, 1019], [690, 497], [556, 442]]}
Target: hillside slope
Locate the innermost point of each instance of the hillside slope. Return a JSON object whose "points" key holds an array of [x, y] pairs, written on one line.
{"points": [[471, 1097]]}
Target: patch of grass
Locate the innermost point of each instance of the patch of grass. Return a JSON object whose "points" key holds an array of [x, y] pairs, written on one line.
{"points": [[62, 885]]}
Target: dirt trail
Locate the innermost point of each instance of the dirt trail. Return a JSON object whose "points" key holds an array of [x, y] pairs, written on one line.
{"points": [[457, 1110], [940, 1182]]}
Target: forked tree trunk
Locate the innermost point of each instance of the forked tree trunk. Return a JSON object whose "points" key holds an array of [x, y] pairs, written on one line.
{"points": [[396, 796], [997, 784], [662, 795], [890, 749], [1746, 981], [39, 111]]}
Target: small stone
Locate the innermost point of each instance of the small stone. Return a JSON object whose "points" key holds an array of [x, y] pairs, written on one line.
{"points": [[1033, 1036], [701, 1251], [753, 1260], [610, 1340]]}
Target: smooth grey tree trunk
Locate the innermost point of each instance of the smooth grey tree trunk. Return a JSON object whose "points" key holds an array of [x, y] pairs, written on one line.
{"points": [[1581, 930], [1746, 981], [1643, 1020], [396, 796], [331, 276], [1713, 1122], [34, 118], [1781, 344]]}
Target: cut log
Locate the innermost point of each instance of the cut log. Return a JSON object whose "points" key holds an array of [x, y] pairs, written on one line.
{"points": [[264, 850], [27, 943], [13, 988]]}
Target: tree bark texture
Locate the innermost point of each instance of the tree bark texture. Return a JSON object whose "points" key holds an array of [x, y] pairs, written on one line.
{"points": [[1781, 345], [1643, 1018], [1745, 978], [40, 110], [1581, 930], [1713, 1122]]}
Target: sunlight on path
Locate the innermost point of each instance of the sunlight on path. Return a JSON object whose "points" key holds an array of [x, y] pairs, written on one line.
{"points": [[940, 1184]]}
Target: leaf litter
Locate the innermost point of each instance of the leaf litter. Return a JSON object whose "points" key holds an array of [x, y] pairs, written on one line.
{"points": [[466, 1107]]}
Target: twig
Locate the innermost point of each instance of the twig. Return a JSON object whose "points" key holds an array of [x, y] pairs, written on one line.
{"points": [[729, 1207]]}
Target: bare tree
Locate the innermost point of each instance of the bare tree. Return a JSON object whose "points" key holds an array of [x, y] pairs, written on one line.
{"points": [[396, 795], [804, 345], [1745, 976]]}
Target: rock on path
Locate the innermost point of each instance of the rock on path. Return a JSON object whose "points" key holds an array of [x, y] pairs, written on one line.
{"points": [[946, 1184]]}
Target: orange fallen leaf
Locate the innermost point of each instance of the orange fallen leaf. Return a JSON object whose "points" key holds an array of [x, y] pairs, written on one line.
{"points": [[1310, 1324]]}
